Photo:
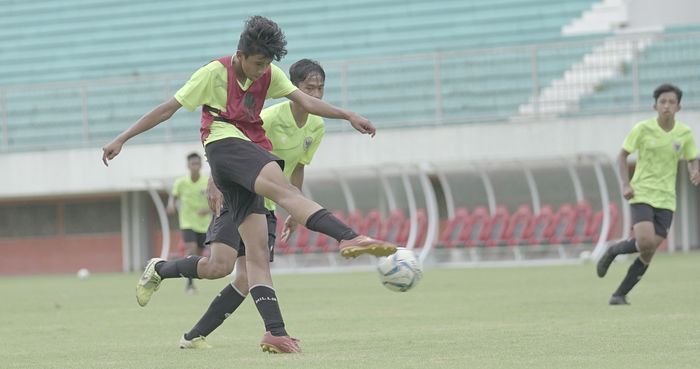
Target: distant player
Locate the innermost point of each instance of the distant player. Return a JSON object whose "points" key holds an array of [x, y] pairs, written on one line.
{"points": [[231, 91], [295, 136], [194, 215], [661, 142]]}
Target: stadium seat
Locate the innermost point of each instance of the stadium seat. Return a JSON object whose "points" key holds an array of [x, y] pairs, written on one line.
{"points": [[564, 225], [518, 225], [456, 229], [478, 227], [593, 231], [497, 227], [541, 227]]}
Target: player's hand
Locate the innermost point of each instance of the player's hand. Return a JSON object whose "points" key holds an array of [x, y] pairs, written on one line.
{"points": [[215, 198], [362, 124], [627, 192], [695, 178], [111, 150], [289, 227], [170, 209]]}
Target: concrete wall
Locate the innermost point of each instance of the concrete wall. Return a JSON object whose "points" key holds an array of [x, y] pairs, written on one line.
{"points": [[81, 171], [655, 13]]}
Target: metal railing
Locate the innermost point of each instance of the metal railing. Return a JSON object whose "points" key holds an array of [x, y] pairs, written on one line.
{"points": [[592, 76]]}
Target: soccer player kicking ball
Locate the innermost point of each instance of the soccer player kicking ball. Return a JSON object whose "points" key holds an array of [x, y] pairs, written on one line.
{"points": [[295, 136], [231, 91], [194, 215], [661, 142]]}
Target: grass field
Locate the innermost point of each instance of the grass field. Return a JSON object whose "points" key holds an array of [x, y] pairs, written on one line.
{"points": [[530, 317]]}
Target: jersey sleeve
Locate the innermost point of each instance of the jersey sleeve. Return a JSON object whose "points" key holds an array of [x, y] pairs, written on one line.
{"points": [[280, 85], [198, 89], [317, 137], [690, 151], [631, 143]]}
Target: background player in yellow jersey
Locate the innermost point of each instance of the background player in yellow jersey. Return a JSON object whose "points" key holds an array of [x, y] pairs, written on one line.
{"points": [[660, 143], [193, 214], [295, 136]]}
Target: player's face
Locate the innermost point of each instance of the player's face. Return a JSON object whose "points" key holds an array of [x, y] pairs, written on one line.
{"points": [[667, 104], [313, 85], [194, 165], [254, 66]]}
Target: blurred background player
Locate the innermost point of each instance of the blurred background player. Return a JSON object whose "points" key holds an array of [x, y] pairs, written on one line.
{"points": [[295, 136], [243, 169], [661, 142], [193, 213]]}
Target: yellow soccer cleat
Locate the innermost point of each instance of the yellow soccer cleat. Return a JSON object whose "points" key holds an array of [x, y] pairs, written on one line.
{"points": [[365, 245], [149, 282], [196, 343]]}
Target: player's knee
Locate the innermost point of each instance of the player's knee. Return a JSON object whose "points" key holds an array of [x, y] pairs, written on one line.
{"points": [[241, 283], [646, 256], [216, 269], [646, 244]]}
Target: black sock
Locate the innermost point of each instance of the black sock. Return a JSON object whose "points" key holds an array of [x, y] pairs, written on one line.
{"points": [[634, 274], [186, 267], [325, 222], [190, 284], [624, 247], [220, 308], [266, 302]]}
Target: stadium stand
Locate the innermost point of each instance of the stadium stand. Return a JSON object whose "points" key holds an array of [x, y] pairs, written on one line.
{"points": [[110, 78]]}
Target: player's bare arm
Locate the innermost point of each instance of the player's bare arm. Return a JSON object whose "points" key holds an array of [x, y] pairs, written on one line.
{"points": [[694, 171], [215, 197], [151, 119], [622, 168], [297, 179], [322, 108]]}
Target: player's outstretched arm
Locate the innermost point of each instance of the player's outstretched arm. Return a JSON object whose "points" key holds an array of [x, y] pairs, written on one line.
{"points": [[326, 110], [151, 119], [694, 171]]}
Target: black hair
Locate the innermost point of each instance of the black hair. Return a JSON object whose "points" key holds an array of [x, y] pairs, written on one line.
{"points": [[193, 155], [262, 36], [303, 68], [667, 87]]}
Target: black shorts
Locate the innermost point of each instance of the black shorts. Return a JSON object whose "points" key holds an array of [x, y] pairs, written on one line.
{"points": [[235, 165], [189, 235], [222, 230], [661, 218]]}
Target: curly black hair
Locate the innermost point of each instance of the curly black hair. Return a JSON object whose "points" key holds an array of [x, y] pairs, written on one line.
{"points": [[262, 36]]}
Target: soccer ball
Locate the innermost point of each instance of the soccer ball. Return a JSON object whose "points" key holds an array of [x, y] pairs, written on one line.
{"points": [[401, 271], [83, 273]]}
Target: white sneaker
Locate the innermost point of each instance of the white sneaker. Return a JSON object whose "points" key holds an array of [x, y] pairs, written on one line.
{"points": [[196, 343]]}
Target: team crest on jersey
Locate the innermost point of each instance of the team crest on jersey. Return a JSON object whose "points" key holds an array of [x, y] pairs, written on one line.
{"points": [[677, 146], [307, 143]]}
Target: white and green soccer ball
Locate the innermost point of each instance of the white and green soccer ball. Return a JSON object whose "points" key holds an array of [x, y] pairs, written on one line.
{"points": [[401, 271]]}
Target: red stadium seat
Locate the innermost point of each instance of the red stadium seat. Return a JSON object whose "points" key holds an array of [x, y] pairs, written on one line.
{"points": [[478, 227], [454, 232], [542, 226], [593, 231], [518, 224], [582, 222], [372, 224], [564, 225], [394, 227], [497, 227]]}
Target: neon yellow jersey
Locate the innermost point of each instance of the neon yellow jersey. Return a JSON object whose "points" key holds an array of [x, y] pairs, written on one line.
{"points": [[209, 86], [193, 199], [654, 180], [291, 143]]}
